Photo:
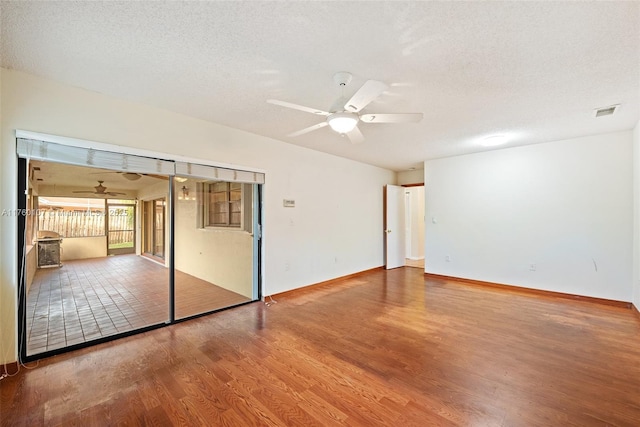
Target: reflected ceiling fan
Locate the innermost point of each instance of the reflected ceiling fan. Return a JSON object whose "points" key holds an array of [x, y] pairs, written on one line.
{"points": [[101, 190], [133, 176], [344, 115]]}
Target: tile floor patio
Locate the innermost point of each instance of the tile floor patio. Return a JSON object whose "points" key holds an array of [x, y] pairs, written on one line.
{"points": [[89, 299]]}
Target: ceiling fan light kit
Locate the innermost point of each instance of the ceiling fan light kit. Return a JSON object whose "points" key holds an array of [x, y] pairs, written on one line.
{"points": [[344, 116], [131, 176], [343, 122]]}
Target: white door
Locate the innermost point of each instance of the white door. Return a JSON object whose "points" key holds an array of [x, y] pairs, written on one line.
{"points": [[394, 226]]}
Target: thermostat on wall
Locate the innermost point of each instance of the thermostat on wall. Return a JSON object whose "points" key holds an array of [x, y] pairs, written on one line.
{"points": [[288, 203]]}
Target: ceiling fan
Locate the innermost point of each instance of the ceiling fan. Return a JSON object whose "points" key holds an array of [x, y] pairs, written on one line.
{"points": [[344, 115], [101, 190], [132, 176]]}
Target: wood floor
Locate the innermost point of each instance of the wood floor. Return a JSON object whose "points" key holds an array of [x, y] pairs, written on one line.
{"points": [[387, 348]]}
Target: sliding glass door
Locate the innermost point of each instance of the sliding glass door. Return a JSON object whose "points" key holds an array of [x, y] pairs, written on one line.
{"points": [[118, 243], [82, 279], [215, 244]]}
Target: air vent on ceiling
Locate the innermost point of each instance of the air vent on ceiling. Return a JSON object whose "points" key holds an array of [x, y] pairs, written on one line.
{"points": [[605, 111]]}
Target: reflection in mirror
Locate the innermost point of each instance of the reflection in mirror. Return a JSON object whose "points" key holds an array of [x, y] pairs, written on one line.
{"points": [[97, 251], [214, 245], [84, 279]]}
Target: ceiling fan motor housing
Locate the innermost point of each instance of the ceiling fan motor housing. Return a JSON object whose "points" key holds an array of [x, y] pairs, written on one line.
{"points": [[342, 78]]}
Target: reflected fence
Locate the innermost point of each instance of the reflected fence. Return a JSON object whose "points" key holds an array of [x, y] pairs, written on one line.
{"points": [[88, 223]]}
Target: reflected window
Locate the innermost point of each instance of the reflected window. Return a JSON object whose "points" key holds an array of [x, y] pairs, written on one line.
{"points": [[225, 204]]}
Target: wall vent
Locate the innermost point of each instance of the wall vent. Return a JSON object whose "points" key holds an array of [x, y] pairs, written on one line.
{"points": [[605, 111]]}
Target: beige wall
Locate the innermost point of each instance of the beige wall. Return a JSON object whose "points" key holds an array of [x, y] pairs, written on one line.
{"points": [[32, 265], [334, 230], [221, 257], [8, 260], [158, 190], [411, 177], [83, 247]]}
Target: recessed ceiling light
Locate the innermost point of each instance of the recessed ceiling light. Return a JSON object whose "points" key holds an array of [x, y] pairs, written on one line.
{"points": [[494, 140]]}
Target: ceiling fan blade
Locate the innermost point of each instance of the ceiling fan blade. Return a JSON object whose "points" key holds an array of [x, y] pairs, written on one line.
{"points": [[369, 91], [392, 118], [355, 136], [298, 107], [164, 177], [88, 192], [112, 193], [309, 129]]}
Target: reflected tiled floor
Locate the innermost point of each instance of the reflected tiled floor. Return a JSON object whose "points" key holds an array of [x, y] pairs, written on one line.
{"points": [[89, 299]]}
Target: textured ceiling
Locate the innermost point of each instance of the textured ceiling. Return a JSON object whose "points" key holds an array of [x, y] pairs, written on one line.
{"points": [[532, 70]]}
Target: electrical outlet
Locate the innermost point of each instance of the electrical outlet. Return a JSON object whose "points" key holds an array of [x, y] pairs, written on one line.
{"points": [[287, 266], [447, 258], [532, 267]]}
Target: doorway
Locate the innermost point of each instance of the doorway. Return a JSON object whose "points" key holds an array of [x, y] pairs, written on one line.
{"points": [[414, 225], [121, 227], [153, 218]]}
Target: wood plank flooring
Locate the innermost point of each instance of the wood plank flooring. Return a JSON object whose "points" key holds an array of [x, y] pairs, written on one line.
{"points": [[387, 348]]}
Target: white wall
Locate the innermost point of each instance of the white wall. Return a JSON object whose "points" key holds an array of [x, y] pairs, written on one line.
{"points": [[636, 216], [334, 230], [565, 206]]}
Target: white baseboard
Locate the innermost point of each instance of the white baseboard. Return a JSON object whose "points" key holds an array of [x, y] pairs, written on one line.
{"points": [[413, 258]]}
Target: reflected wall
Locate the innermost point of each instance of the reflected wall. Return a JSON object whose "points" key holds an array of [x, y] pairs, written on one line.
{"points": [[214, 245]]}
